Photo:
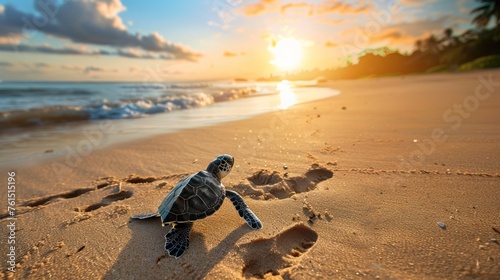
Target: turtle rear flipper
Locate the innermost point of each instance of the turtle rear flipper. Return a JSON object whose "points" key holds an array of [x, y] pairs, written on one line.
{"points": [[146, 215], [178, 239], [250, 218]]}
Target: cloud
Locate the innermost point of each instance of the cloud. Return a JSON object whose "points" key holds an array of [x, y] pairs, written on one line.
{"points": [[415, 2], [11, 21], [461, 19], [329, 44], [94, 22], [41, 65], [134, 53], [297, 6], [221, 25], [425, 26], [393, 36], [37, 65], [5, 64], [284, 20], [71, 68], [151, 72], [260, 7], [333, 21], [414, 29], [68, 50], [402, 35], [337, 7], [134, 69], [41, 49], [326, 7], [89, 69], [462, 6], [10, 40], [409, 32], [230, 54]]}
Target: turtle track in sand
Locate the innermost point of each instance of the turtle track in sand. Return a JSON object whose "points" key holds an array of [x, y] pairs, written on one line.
{"points": [[51, 198], [267, 184], [98, 184], [283, 251], [107, 200], [37, 202]]}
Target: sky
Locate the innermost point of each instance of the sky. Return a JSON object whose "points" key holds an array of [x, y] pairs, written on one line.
{"points": [[158, 40]]}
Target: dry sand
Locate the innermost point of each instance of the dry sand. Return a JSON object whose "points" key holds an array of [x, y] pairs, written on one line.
{"points": [[348, 187]]}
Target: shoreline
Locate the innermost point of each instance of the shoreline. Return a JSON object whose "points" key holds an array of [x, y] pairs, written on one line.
{"points": [[362, 178], [39, 143], [95, 126]]}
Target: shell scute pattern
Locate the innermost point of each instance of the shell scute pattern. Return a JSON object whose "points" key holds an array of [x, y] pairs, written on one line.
{"points": [[180, 204], [201, 196], [197, 204], [208, 193]]}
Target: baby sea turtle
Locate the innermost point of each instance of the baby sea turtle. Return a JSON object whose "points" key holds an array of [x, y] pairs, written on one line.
{"points": [[196, 197]]}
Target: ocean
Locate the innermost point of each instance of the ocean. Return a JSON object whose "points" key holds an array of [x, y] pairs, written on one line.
{"points": [[38, 119]]}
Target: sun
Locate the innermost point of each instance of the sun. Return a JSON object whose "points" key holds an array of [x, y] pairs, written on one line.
{"points": [[287, 53]]}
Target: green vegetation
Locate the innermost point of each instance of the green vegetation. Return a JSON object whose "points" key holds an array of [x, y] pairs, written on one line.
{"points": [[438, 68], [491, 61], [477, 48]]}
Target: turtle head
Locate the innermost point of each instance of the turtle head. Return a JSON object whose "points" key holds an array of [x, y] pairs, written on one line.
{"points": [[221, 166]]}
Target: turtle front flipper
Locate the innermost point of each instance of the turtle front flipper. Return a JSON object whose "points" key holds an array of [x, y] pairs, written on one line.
{"points": [[146, 215], [178, 239], [250, 218]]}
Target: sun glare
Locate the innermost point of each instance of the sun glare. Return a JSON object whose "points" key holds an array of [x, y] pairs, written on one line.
{"points": [[287, 53], [287, 96]]}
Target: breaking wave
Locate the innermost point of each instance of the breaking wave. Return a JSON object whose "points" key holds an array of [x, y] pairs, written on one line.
{"points": [[122, 109]]}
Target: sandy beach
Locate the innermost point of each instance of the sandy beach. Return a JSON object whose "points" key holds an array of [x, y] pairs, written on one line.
{"points": [[395, 178]]}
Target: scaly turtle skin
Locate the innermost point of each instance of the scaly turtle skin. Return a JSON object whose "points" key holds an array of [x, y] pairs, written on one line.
{"points": [[196, 197]]}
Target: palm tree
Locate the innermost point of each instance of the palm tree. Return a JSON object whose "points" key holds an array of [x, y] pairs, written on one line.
{"points": [[448, 32], [487, 10], [418, 45], [448, 38], [469, 35], [432, 44]]}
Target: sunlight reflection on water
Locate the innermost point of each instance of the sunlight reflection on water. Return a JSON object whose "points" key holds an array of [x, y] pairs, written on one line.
{"points": [[287, 95]]}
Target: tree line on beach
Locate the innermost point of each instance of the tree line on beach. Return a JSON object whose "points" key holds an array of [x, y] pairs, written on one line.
{"points": [[476, 48]]}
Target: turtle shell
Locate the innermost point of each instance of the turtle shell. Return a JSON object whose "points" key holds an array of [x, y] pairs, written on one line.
{"points": [[195, 197]]}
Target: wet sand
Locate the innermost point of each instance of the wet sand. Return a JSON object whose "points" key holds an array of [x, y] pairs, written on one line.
{"points": [[353, 186]]}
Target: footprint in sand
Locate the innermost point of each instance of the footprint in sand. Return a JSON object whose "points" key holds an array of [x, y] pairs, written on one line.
{"points": [[107, 200], [310, 179], [283, 251], [267, 184]]}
